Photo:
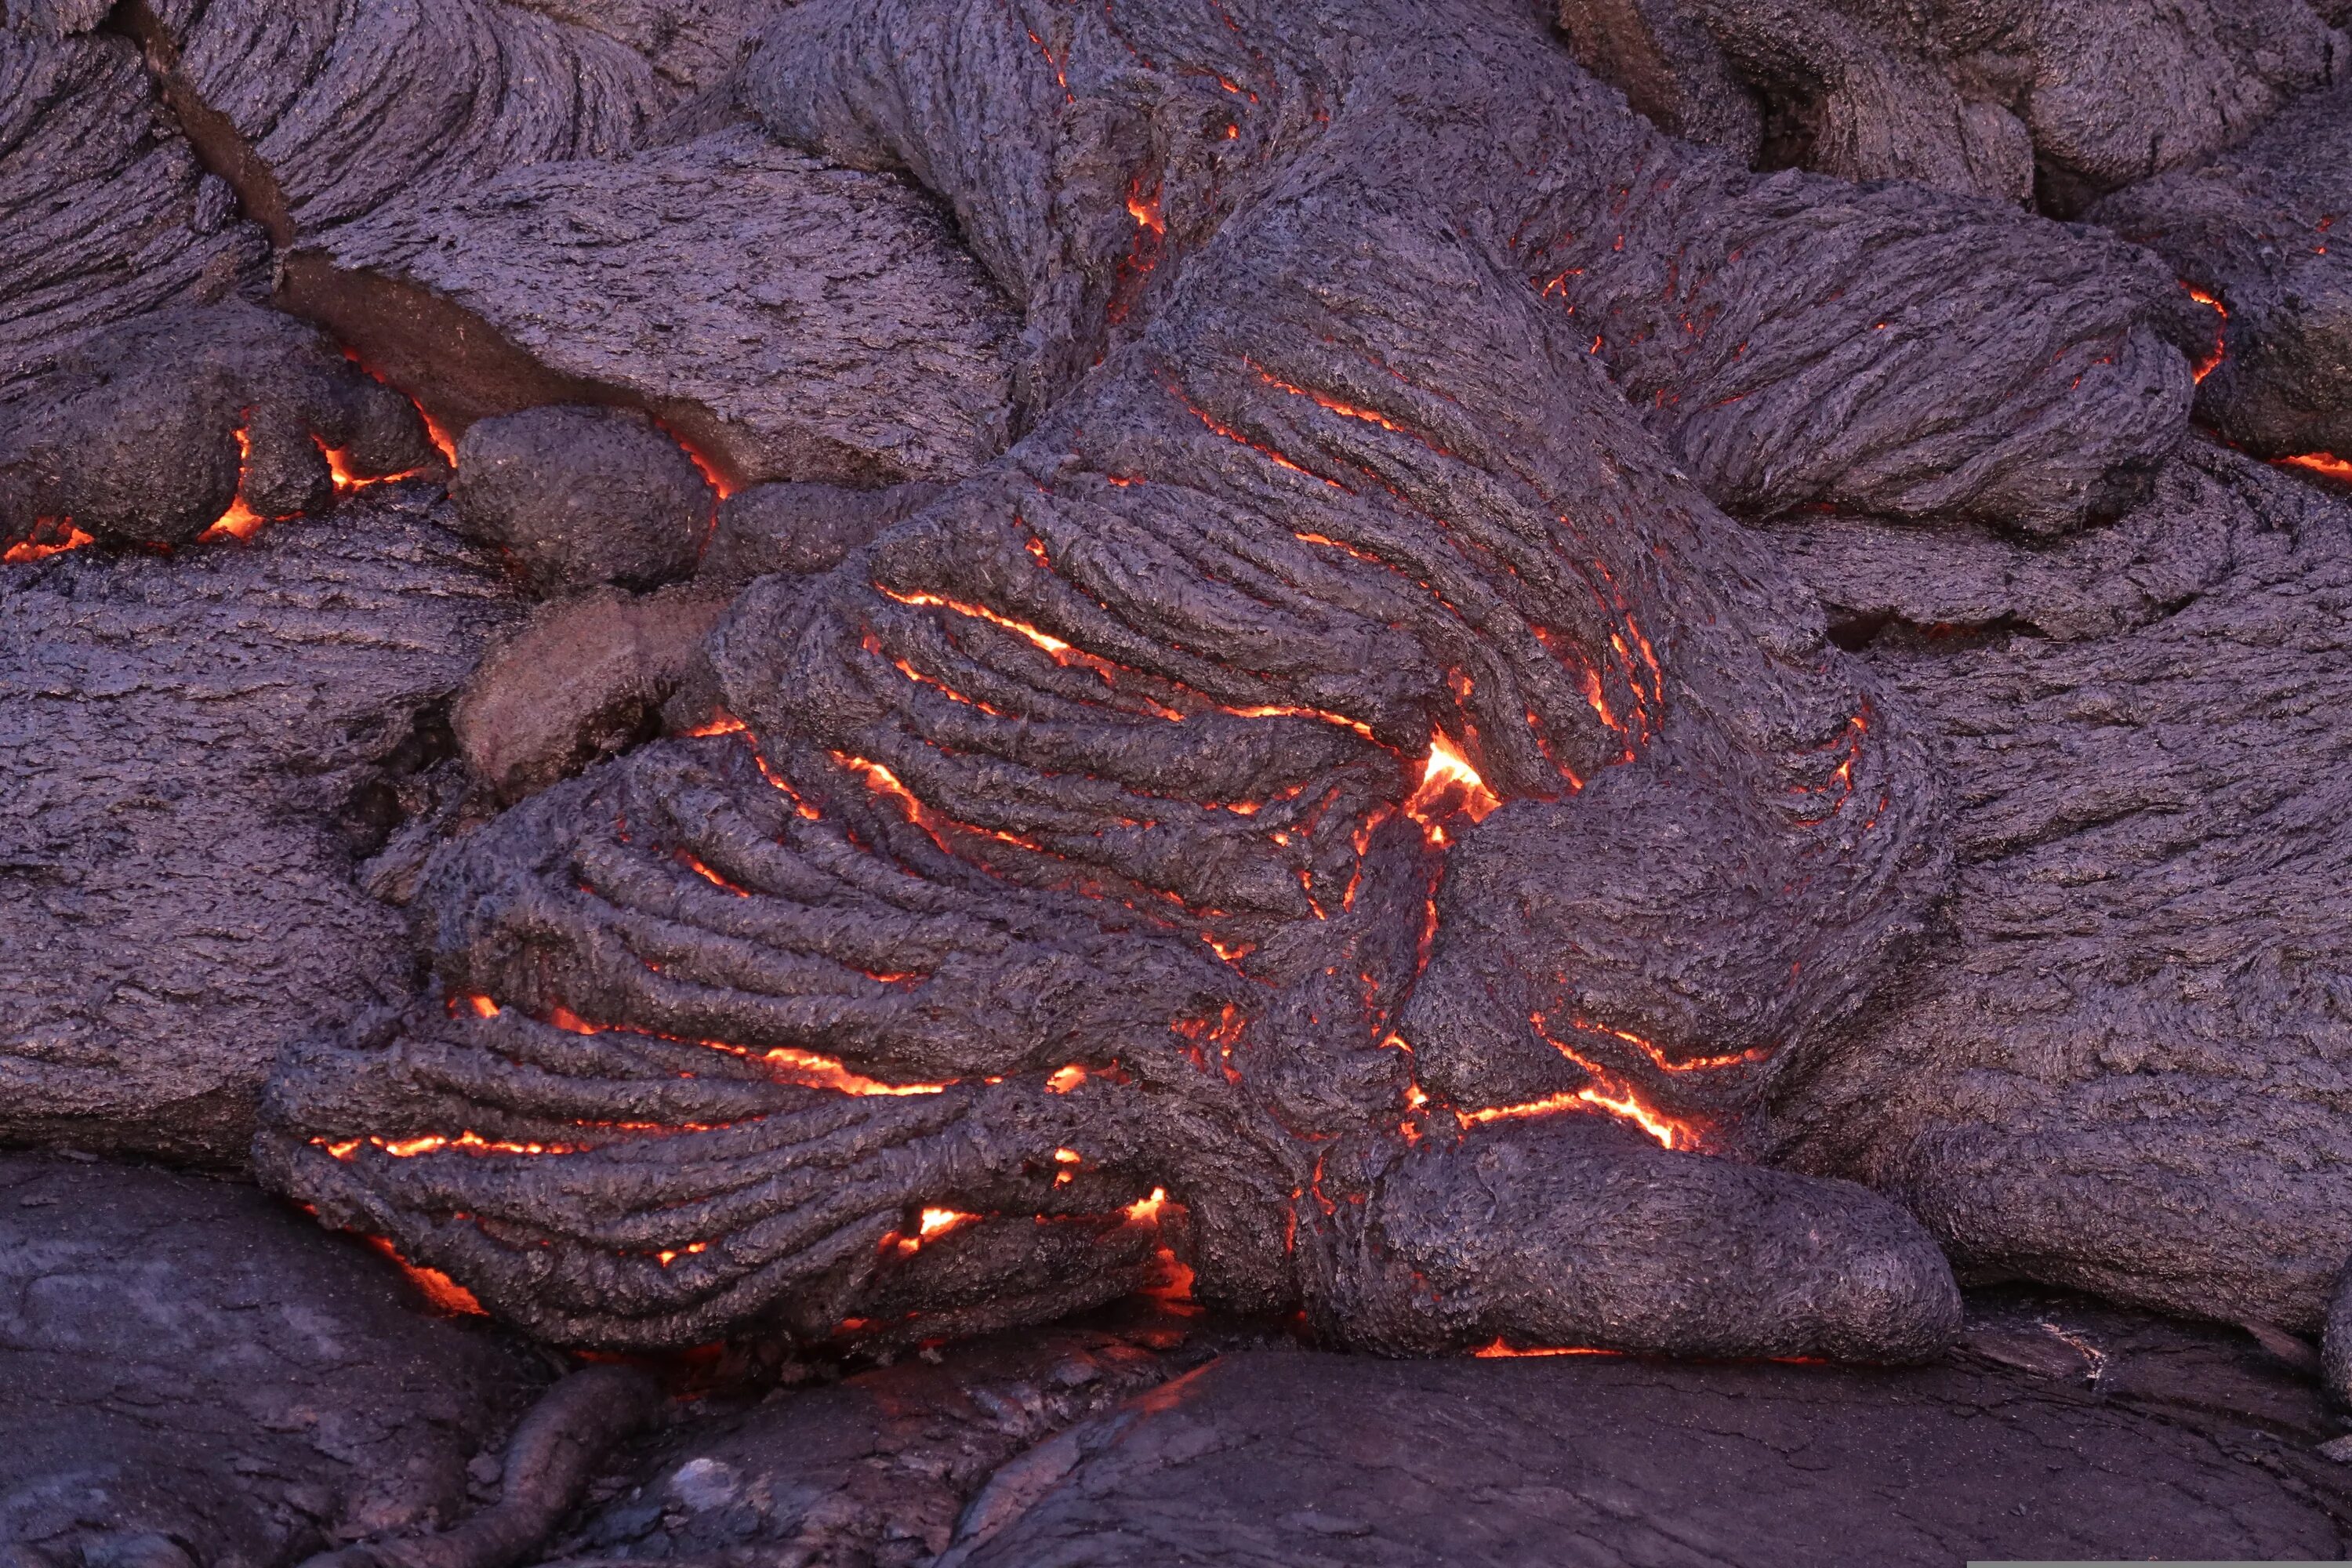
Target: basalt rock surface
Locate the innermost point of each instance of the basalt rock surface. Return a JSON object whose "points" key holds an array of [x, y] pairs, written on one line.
{"points": [[870, 1471], [105, 211], [792, 319], [1342, 768], [2250, 229], [195, 421], [190, 1373], [580, 497], [2121, 1062], [2055, 100], [196, 751], [2056, 1432], [584, 678]]}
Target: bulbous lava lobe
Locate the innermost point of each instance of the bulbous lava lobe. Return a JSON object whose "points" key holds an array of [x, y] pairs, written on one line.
{"points": [[1339, 728]]}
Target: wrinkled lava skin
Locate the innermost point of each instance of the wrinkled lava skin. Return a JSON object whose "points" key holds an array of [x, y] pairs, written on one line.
{"points": [[1099, 829]]}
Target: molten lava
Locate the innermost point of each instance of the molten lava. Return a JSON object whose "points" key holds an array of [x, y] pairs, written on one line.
{"points": [[1449, 786], [2327, 463], [50, 536], [445, 1293], [2212, 362]]}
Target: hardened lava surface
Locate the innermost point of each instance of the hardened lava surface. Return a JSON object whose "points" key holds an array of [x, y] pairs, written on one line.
{"points": [[1337, 818]]}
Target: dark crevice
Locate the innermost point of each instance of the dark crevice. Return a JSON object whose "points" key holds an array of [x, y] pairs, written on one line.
{"points": [[218, 145]]}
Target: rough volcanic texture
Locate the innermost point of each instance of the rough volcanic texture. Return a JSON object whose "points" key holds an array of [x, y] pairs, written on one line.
{"points": [[195, 750], [2250, 229], [2056, 1433], [2049, 100], [1336, 768], [792, 319], [804, 529], [191, 1372], [584, 678], [2122, 1064], [318, 111], [869, 1472], [195, 422], [579, 497], [691, 44], [105, 213]]}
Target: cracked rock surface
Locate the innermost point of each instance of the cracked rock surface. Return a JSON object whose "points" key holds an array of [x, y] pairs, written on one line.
{"points": [[105, 211], [1101, 806], [2250, 228], [2058, 1430], [197, 750], [2050, 99], [190, 1371], [2120, 1064], [790, 318]]}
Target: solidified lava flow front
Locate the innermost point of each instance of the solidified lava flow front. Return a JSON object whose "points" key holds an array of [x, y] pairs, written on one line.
{"points": [[1337, 814]]}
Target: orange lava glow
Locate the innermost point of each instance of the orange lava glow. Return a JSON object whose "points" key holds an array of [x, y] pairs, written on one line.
{"points": [[435, 434], [1229, 434], [2327, 463], [719, 723], [50, 536], [1144, 208], [445, 1293], [1448, 784], [240, 520], [1659, 1057], [805, 1069], [1147, 1210], [348, 479], [1499, 1349], [2220, 332], [937, 1222], [1064, 1080], [812, 1071]]}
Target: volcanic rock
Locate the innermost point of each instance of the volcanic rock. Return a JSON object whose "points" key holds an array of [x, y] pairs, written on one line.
{"points": [[2059, 1431], [159, 430], [792, 319], [2249, 229], [2054, 99], [318, 112], [2120, 1063], [577, 496], [871, 1470], [2338, 1341], [196, 751], [803, 528], [1338, 773], [191, 1372], [584, 678], [105, 213]]}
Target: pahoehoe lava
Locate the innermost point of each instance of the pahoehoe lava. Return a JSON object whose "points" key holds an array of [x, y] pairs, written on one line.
{"points": [[1338, 809]]}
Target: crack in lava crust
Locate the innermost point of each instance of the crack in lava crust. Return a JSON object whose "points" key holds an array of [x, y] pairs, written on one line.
{"points": [[1336, 769]]}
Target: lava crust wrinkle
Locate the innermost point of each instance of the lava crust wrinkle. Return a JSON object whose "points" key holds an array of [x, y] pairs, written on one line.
{"points": [[1322, 810]]}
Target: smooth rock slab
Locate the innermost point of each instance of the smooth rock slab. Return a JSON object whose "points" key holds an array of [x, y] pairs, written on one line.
{"points": [[189, 1361], [790, 318], [196, 751], [872, 1471], [2061, 1432]]}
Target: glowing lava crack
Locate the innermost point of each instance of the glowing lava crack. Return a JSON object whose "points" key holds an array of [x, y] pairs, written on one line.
{"points": [[1335, 818]]}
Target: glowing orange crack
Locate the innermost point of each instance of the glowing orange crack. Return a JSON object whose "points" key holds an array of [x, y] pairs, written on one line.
{"points": [[50, 536], [2221, 332], [1448, 784], [2327, 463], [440, 1290]]}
